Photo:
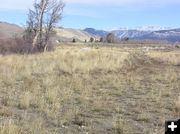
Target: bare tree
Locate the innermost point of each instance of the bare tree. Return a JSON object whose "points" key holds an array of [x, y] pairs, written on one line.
{"points": [[42, 20]]}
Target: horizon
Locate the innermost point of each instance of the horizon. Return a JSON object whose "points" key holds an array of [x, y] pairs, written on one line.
{"points": [[111, 15]]}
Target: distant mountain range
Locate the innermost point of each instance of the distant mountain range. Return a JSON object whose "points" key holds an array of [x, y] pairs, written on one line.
{"points": [[67, 34], [170, 35]]}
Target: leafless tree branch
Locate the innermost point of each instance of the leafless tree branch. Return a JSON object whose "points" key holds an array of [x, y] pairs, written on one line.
{"points": [[41, 21]]}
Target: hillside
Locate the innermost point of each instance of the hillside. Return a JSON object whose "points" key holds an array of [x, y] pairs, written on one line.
{"points": [[67, 34], [9, 30]]}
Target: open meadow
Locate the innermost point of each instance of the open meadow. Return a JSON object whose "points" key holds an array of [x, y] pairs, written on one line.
{"points": [[80, 89]]}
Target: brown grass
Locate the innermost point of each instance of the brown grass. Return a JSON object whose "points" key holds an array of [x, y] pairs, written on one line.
{"points": [[88, 90]]}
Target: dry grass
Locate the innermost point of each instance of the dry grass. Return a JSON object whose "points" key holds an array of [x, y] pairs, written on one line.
{"points": [[89, 90], [10, 128], [177, 104]]}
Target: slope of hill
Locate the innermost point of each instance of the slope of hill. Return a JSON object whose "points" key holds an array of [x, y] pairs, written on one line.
{"points": [[9, 30], [67, 34]]}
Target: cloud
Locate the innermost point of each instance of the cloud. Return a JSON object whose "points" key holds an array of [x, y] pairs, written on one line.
{"points": [[15, 4], [24, 4], [97, 8], [123, 2]]}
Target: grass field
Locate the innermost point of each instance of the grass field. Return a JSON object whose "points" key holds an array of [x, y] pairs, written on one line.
{"points": [[90, 90]]}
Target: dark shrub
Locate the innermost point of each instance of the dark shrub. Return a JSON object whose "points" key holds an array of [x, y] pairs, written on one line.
{"points": [[110, 38], [91, 39], [74, 40], [20, 45]]}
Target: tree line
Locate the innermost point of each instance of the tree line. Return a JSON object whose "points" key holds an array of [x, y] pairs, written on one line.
{"points": [[109, 38]]}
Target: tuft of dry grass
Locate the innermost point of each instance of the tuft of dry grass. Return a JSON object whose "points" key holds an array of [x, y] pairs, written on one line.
{"points": [[137, 59], [25, 100], [5, 111], [10, 128]]}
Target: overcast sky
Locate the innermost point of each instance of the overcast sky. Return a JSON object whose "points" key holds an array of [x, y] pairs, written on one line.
{"points": [[102, 14]]}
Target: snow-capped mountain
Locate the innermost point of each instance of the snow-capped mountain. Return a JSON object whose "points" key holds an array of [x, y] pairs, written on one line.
{"points": [[152, 28], [93, 31], [142, 33], [129, 33], [172, 35]]}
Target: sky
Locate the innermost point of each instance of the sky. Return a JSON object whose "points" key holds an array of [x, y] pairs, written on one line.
{"points": [[102, 14]]}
